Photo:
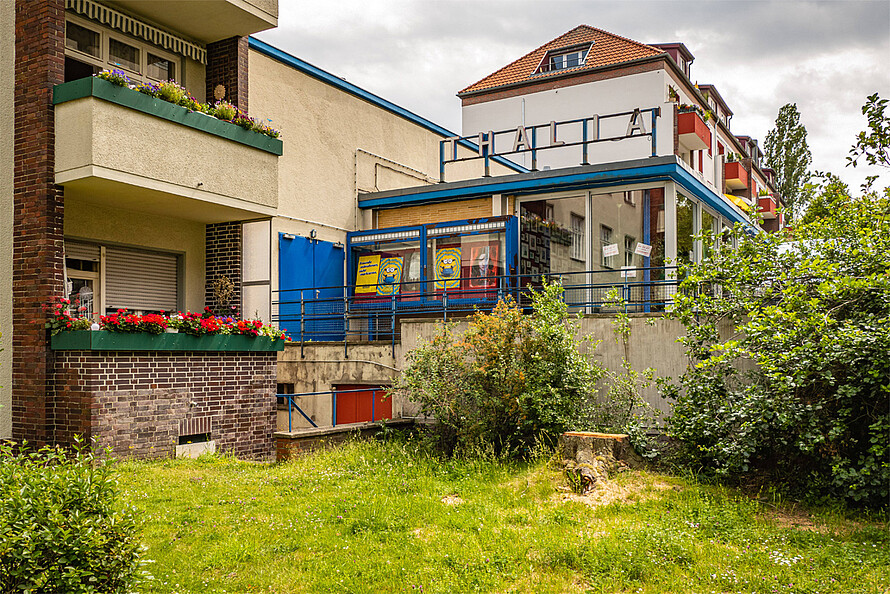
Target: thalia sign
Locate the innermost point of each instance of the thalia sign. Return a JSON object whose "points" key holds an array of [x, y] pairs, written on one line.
{"points": [[524, 139]]}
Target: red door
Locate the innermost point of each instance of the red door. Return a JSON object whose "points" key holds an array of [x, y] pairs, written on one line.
{"points": [[367, 404]]}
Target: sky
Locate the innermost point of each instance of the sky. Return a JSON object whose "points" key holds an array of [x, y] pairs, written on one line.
{"points": [[825, 56]]}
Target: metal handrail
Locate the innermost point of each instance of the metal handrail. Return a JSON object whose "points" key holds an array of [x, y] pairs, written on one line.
{"points": [[291, 404], [347, 312]]}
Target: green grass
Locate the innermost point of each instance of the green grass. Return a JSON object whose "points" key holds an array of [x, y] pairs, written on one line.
{"points": [[372, 517]]}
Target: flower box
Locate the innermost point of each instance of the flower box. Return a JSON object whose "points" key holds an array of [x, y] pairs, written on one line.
{"points": [[101, 340]]}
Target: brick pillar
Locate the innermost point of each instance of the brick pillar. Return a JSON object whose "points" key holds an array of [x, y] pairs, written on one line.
{"points": [[222, 257], [37, 272], [227, 66]]}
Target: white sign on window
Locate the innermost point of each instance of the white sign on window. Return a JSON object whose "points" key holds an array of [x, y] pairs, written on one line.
{"points": [[610, 250], [643, 249]]}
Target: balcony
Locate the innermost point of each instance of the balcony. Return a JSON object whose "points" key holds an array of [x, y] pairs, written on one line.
{"points": [[768, 206], [119, 148], [735, 176], [693, 131], [206, 20]]}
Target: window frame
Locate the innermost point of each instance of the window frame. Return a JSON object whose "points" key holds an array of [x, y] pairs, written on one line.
{"points": [[546, 64], [104, 59], [578, 250], [607, 261]]}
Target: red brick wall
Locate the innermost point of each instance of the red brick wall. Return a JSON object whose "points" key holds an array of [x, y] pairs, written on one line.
{"points": [[37, 272], [139, 404], [227, 66], [223, 258]]}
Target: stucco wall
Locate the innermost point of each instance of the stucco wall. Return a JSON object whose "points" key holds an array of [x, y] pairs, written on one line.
{"points": [[140, 149], [653, 343], [7, 78], [323, 366], [616, 95], [90, 222], [336, 145]]}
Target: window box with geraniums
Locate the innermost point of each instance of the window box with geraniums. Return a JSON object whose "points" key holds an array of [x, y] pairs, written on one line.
{"points": [[126, 331]]}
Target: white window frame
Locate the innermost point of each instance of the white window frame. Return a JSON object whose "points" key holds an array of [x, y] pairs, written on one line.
{"points": [[104, 59], [629, 243], [578, 226], [604, 241]]}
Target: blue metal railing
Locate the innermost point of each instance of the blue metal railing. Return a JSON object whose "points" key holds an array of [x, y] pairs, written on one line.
{"points": [[360, 313], [293, 406]]}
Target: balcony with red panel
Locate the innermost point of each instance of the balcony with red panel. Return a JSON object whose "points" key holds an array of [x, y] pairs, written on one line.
{"points": [[693, 131], [735, 176], [768, 206]]}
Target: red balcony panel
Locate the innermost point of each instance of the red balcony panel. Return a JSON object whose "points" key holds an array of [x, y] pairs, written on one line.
{"points": [[735, 175], [767, 207], [694, 132]]}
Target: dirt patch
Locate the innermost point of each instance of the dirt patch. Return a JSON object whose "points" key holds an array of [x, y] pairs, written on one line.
{"points": [[452, 500], [802, 520], [631, 489]]}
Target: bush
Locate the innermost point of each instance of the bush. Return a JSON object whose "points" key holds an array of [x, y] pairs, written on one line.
{"points": [[63, 529], [510, 383], [799, 387]]}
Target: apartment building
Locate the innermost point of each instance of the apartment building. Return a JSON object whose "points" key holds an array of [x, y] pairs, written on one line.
{"points": [[593, 157], [123, 200]]}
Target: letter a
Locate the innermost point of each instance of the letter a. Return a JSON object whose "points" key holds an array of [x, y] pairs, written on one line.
{"points": [[636, 123], [521, 139]]}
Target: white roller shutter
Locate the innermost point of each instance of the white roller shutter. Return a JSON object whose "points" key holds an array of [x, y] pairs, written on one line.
{"points": [[81, 251], [140, 280]]}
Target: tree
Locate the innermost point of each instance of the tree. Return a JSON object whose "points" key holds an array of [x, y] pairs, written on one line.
{"points": [[874, 144], [511, 382], [788, 154], [824, 197], [790, 358]]}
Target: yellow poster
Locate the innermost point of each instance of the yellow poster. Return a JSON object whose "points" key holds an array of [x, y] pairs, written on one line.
{"points": [[448, 268], [390, 276], [366, 274]]}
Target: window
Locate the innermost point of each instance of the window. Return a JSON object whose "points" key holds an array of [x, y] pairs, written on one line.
{"points": [[89, 48], [564, 58], [629, 198], [629, 250], [605, 240], [577, 237], [102, 279], [82, 39]]}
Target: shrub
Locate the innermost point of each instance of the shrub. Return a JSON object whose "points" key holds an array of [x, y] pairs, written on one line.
{"points": [[511, 382], [63, 528], [798, 385]]}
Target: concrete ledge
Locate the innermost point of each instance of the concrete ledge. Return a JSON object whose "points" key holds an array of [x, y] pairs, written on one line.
{"points": [[292, 444]]}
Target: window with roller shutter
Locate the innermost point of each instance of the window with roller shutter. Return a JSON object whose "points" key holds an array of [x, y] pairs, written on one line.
{"points": [[138, 279]]}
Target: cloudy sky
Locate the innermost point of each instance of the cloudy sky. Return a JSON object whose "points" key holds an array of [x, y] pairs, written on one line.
{"points": [[825, 56]]}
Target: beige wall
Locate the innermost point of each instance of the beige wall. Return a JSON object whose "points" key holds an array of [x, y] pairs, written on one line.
{"points": [[95, 138], [91, 222], [335, 146], [193, 79], [7, 79]]}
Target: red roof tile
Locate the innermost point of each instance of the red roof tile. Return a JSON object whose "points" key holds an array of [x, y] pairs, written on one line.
{"points": [[607, 49]]}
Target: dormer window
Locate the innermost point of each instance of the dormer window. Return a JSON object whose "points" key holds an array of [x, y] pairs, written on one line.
{"points": [[565, 58]]}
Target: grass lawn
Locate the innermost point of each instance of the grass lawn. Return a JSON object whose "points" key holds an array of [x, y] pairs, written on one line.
{"points": [[373, 517]]}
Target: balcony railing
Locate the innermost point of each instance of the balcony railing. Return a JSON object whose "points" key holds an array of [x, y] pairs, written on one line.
{"points": [[339, 314], [767, 206]]}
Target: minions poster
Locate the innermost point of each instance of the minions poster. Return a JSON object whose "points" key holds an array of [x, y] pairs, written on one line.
{"points": [[390, 276], [448, 268]]}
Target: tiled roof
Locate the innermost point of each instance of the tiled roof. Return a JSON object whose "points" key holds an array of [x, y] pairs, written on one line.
{"points": [[607, 49]]}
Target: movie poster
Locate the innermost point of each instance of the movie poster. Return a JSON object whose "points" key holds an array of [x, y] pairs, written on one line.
{"points": [[448, 268], [390, 276], [483, 265], [366, 274]]}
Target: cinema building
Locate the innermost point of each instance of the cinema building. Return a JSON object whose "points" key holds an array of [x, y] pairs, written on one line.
{"points": [[593, 159]]}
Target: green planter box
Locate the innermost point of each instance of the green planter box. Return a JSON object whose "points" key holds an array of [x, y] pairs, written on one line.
{"points": [[102, 340], [102, 89]]}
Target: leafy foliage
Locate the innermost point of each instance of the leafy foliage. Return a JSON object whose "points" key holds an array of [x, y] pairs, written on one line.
{"points": [[510, 382], [790, 356], [63, 529], [788, 154], [874, 144]]}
